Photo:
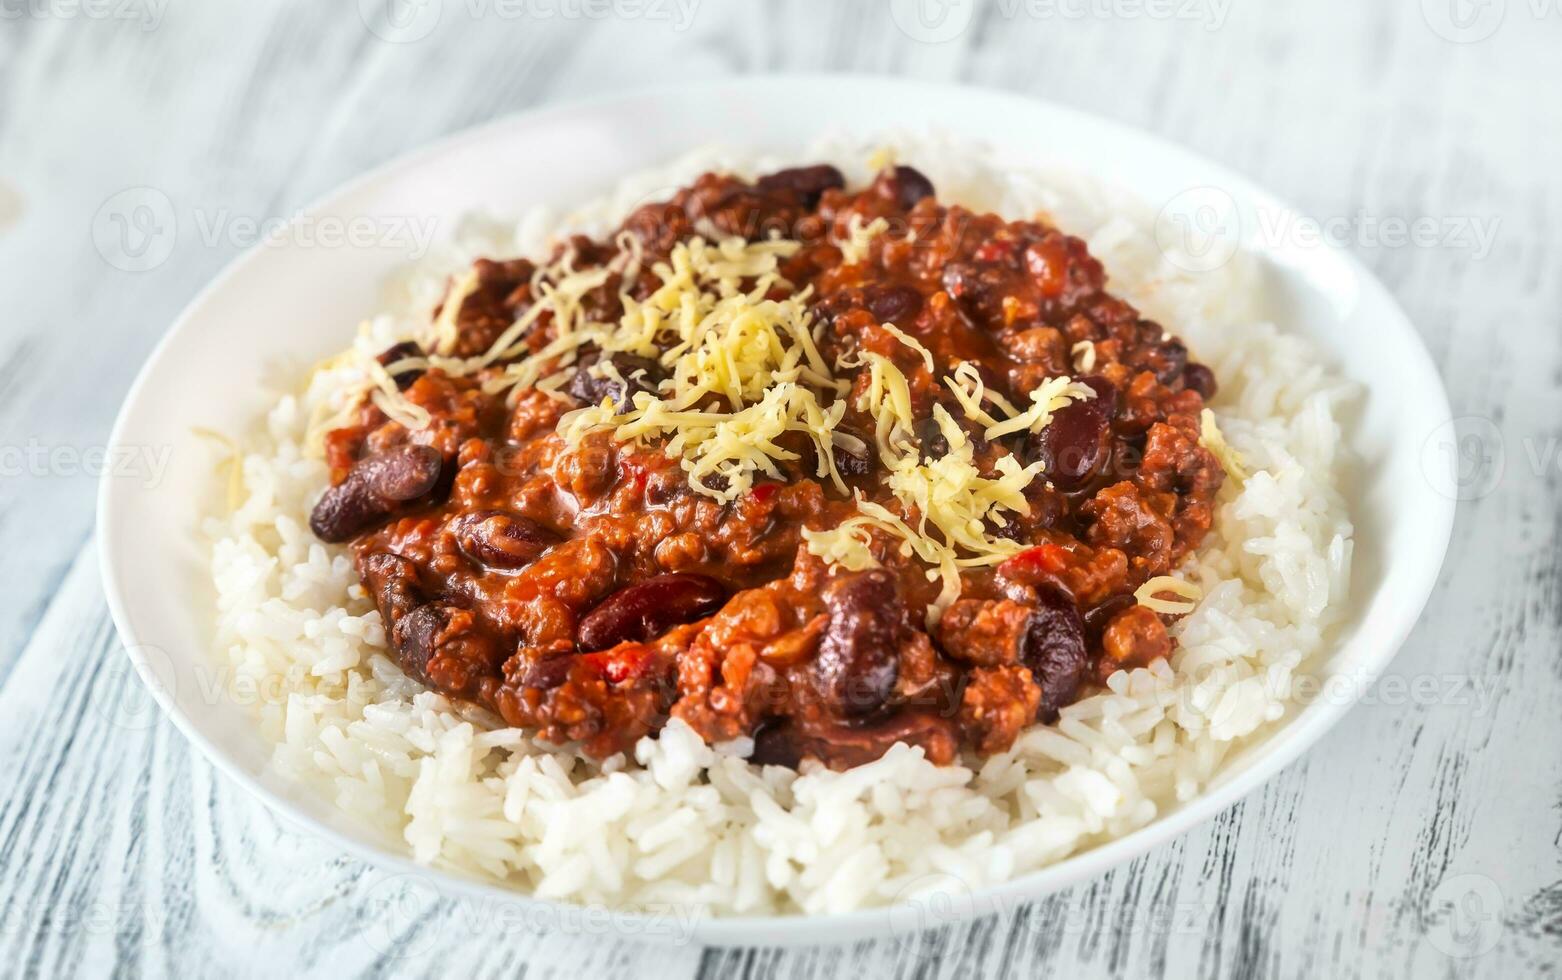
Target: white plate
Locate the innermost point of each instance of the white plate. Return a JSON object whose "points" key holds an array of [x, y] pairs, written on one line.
{"points": [[295, 304]]}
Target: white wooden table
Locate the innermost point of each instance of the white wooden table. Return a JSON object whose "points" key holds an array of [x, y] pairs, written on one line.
{"points": [[1420, 838]]}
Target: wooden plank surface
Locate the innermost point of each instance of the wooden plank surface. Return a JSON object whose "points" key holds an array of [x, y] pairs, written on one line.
{"points": [[1420, 838]]}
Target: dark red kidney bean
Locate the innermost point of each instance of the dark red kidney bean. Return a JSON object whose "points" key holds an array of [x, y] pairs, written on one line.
{"points": [[857, 664], [400, 352], [639, 374], [510, 272], [500, 539], [935, 445], [415, 638], [854, 464], [403, 473], [777, 743], [1201, 379], [911, 186], [375, 488], [648, 609], [1074, 446], [936, 734], [1097, 616], [808, 183], [1054, 649], [545, 672], [893, 304], [412, 626], [1168, 359], [393, 581], [960, 279], [1009, 531]]}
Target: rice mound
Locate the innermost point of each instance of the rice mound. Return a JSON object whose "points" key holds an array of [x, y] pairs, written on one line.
{"points": [[689, 825]]}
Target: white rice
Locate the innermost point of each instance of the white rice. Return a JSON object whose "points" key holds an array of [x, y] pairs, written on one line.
{"points": [[688, 824]]}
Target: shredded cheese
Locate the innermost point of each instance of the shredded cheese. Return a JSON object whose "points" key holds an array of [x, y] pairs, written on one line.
{"points": [[231, 463], [949, 502], [389, 399], [1211, 438], [744, 368], [1048, 397], [1084, 356], [854, 247], [881, 159], [887, 398], [1148, 595], [951, 493], [731, 445], [333, 413], [444, 332], [912, 342]]}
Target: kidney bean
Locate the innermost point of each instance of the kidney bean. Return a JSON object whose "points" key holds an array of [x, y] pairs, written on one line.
{"points": [[546, 671], [935, 445], [647, 609], [808, 183], [854, 742], [376, 487], [777, 743], [415, 637], [893, 304], [1054, 649], [910, 186], [1098, 616], [851, 463], [639, 374], [856, 667], [393, 581], [400, 352], [960, 279], [1201, 379], [403, 473], [1167, 359], [513, 272], [500, 539], [1074, 446]]}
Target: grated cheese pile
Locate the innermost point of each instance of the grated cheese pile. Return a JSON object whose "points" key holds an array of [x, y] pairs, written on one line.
{"points": [[731, 445], [1049, 397], [948, 495], [854, 247], [745, 368]]}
